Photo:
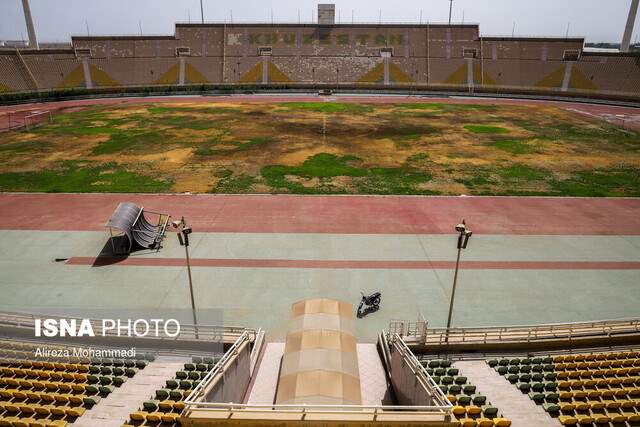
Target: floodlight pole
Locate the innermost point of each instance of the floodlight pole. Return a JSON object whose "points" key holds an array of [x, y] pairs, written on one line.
{"points": [[183, 238], [463, 239], [450, 9], [201, 12]]}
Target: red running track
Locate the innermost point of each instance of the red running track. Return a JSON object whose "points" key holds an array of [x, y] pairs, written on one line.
{"points": [[333, 214]]}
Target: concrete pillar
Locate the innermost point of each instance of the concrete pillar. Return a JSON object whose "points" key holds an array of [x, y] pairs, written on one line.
{"points": [[628, 30], [265, 70], [88, 82], [470, 81], [567, 76], [33, 42], [386, 71], [181, 78]]}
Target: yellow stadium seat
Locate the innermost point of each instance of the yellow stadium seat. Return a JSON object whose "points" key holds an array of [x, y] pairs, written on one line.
{"points": [[44, 409], [567, 420], [154, 417], [179, 406], [24, 422], [166, 405], [138, 416], [458, 410], [8, 421], [566, 406], [473, 410], [468, 422], [47, 397], [501, 422], [57, 423], [12, 407], [38, 423], [618, 418], [75, 412], [27, 409], [582, 406], [584, 419], [484, 422], [601, 419], [58, 410], [62, 398], [170, 418], [76, 399]]}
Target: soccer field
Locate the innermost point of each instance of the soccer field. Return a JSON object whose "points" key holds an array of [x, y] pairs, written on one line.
{"points": [[431, 148]]}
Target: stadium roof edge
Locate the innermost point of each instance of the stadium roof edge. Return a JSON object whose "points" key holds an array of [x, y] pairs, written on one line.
{"points": [[345, 25], [534, 38]]}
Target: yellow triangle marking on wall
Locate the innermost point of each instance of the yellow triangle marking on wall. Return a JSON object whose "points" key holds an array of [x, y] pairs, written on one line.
{"points": [[579, 81], [254, 75], [171, 76], [74, 79], [192, 75], [553, 79], [100, 78], [276, 75]]}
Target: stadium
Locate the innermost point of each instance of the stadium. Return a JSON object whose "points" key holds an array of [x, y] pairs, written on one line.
{"points": [[319, 224]]}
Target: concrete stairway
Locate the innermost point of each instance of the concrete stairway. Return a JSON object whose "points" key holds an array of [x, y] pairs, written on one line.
{"points": [[511, 402], [114, 410]]}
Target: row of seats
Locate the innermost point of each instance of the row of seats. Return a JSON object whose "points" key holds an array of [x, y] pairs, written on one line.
{"points": [[167, 403], [580, 389], [40, 392], [469, 407]]}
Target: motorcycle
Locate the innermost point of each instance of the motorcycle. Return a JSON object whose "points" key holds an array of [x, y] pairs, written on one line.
{"points": [[368, 304]]}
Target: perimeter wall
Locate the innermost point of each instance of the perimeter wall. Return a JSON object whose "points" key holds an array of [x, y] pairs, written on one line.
{"points": [[412, 56]]}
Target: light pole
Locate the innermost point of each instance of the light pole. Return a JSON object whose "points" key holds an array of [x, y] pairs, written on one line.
{"points": [[463, 238], [183, 238]]}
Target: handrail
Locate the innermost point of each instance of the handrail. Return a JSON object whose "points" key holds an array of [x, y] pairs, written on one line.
{"points": [[520, 333], [195, 393], [408, 356], [194, 401]]}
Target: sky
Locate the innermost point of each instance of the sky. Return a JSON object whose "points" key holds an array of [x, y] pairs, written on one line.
{"points": [[57, 20]]}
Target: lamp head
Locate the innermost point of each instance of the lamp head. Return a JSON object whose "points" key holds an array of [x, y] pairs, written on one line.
{"points": [[176, 224], [462, 227]]}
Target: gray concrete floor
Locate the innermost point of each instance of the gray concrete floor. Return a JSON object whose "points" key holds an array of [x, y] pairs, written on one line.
{"points": [[30, 279]]}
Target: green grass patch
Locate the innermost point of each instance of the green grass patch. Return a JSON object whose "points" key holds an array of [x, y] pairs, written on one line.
{"points": [[328, 107], [521, 172], [418, 157], [445, 107], [25, 146], [513, 146], [325, 166], [123, 141], [485, 129], [623, 181], [74, 177]]}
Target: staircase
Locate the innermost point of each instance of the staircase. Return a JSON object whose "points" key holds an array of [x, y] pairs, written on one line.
{"points": [[114, 410], [512, 403]]}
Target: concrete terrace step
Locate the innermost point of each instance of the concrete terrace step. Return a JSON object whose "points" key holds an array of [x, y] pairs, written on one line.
{"points": [[512, 403], [114, 410]]}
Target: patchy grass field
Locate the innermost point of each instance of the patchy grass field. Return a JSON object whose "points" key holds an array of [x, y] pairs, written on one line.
{"points": [[323, 147]]}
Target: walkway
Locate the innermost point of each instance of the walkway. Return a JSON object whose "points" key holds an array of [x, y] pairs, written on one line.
{"points": [[511, 402]]}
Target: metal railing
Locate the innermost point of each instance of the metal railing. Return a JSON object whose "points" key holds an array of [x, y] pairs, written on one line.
{"points": [[228, 355], [187, 332], [422, 376], [517, 333], [442, 406]]}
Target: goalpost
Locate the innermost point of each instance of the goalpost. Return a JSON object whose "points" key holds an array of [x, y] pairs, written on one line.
{"points": [[34, 118]]}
